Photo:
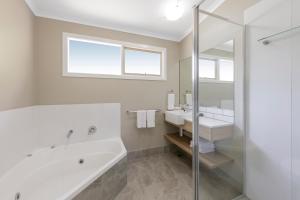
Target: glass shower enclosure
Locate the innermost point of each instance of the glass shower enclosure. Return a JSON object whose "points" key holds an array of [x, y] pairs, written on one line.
{"points": [[218, 106]]}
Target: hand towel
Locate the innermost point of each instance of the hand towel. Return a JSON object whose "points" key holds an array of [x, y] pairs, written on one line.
{"points": [[188, 99], [141, 119], [171, 101], [151, 118]]}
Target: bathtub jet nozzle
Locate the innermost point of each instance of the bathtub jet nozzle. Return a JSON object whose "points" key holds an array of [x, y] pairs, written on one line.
{"points": [[81, 161], [70, 133], [92, 130]]}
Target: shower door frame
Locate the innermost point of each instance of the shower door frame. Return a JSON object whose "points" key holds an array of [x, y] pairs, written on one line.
{"points": [[196, 114]]}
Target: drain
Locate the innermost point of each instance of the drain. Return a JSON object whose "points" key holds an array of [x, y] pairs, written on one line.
{"points": [[81, 161], [18, 196]]}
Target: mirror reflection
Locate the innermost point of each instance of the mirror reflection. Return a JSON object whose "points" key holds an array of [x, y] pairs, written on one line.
{"points": [[216, 72]]}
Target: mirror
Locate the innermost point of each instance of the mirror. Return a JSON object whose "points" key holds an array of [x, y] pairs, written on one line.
{"points": [[185, 79], [216, 77]]}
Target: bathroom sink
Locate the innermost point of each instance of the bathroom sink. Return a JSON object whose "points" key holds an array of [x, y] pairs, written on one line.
{"points": [[208, 122], [210, 129], [177, 116]]}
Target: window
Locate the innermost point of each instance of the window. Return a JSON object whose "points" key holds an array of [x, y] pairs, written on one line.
{"points": [[207, 68], [142, 62], [216, 69], [226, 70], [95, 57], [89, 57]]}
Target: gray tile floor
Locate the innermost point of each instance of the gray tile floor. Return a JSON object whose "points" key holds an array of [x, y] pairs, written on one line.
{"points": [[169, 177]]}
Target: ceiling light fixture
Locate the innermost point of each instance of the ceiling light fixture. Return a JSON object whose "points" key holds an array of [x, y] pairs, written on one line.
{"points": [[174, 12]]}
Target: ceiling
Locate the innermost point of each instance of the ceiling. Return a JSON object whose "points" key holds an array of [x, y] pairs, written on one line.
{"points": [[145, 17], [226, 46]]}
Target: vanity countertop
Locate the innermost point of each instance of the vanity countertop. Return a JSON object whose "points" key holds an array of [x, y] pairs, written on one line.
{"points": [[208, 122], [211, 129], [180, 117]]}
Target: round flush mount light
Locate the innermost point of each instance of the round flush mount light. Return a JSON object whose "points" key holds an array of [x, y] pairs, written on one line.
{"points": [[174, 12]]}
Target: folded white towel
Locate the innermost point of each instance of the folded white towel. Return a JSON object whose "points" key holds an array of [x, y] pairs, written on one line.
{"points": [[189, 99], [171, 101], [205, 146], [141, 119], [206, 150], [151, 118]]}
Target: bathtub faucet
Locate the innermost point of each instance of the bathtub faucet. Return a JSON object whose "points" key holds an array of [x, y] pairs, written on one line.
{"points": [[70, 133]]}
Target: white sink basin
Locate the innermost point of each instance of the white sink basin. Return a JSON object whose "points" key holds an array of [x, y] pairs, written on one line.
{"points": [[209, 129], [208, 122], [177, 116]]}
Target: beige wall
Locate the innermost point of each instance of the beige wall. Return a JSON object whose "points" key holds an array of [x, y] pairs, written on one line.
{"points": [[16, 55], [132, 94], [216, 29], [186, 46], [19, 76]]}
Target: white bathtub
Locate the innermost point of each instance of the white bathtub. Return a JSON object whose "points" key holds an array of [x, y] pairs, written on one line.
{"points": [[56, 174]]}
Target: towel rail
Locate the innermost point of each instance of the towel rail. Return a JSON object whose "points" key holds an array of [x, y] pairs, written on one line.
{"points": [[135, 111], [267, 40]]}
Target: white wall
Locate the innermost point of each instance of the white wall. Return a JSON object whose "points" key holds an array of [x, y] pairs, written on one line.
{"points": [[26, 129], [268, 153], [17, 136], [55, 121]]}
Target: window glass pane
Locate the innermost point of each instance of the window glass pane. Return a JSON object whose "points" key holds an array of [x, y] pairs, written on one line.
{"points": [[226, 70], [94, 58], [207, 68], [141, 62]]}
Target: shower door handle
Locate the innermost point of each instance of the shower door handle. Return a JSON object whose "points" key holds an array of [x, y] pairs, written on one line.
{"points": [[200, 114]]}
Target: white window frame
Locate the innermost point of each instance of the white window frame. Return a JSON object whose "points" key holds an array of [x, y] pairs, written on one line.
{"points": [[123, 46], [217, 71]]}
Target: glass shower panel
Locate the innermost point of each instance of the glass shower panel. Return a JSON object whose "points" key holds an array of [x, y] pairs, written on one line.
{"points": [[220, 101], [295, 101]]}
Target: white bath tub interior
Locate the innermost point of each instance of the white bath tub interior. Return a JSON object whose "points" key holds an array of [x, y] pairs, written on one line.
{"points": [[62, 172]]}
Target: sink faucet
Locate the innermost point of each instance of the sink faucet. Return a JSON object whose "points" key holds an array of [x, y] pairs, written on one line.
{"points": [[186, 107], [70, 133]]}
